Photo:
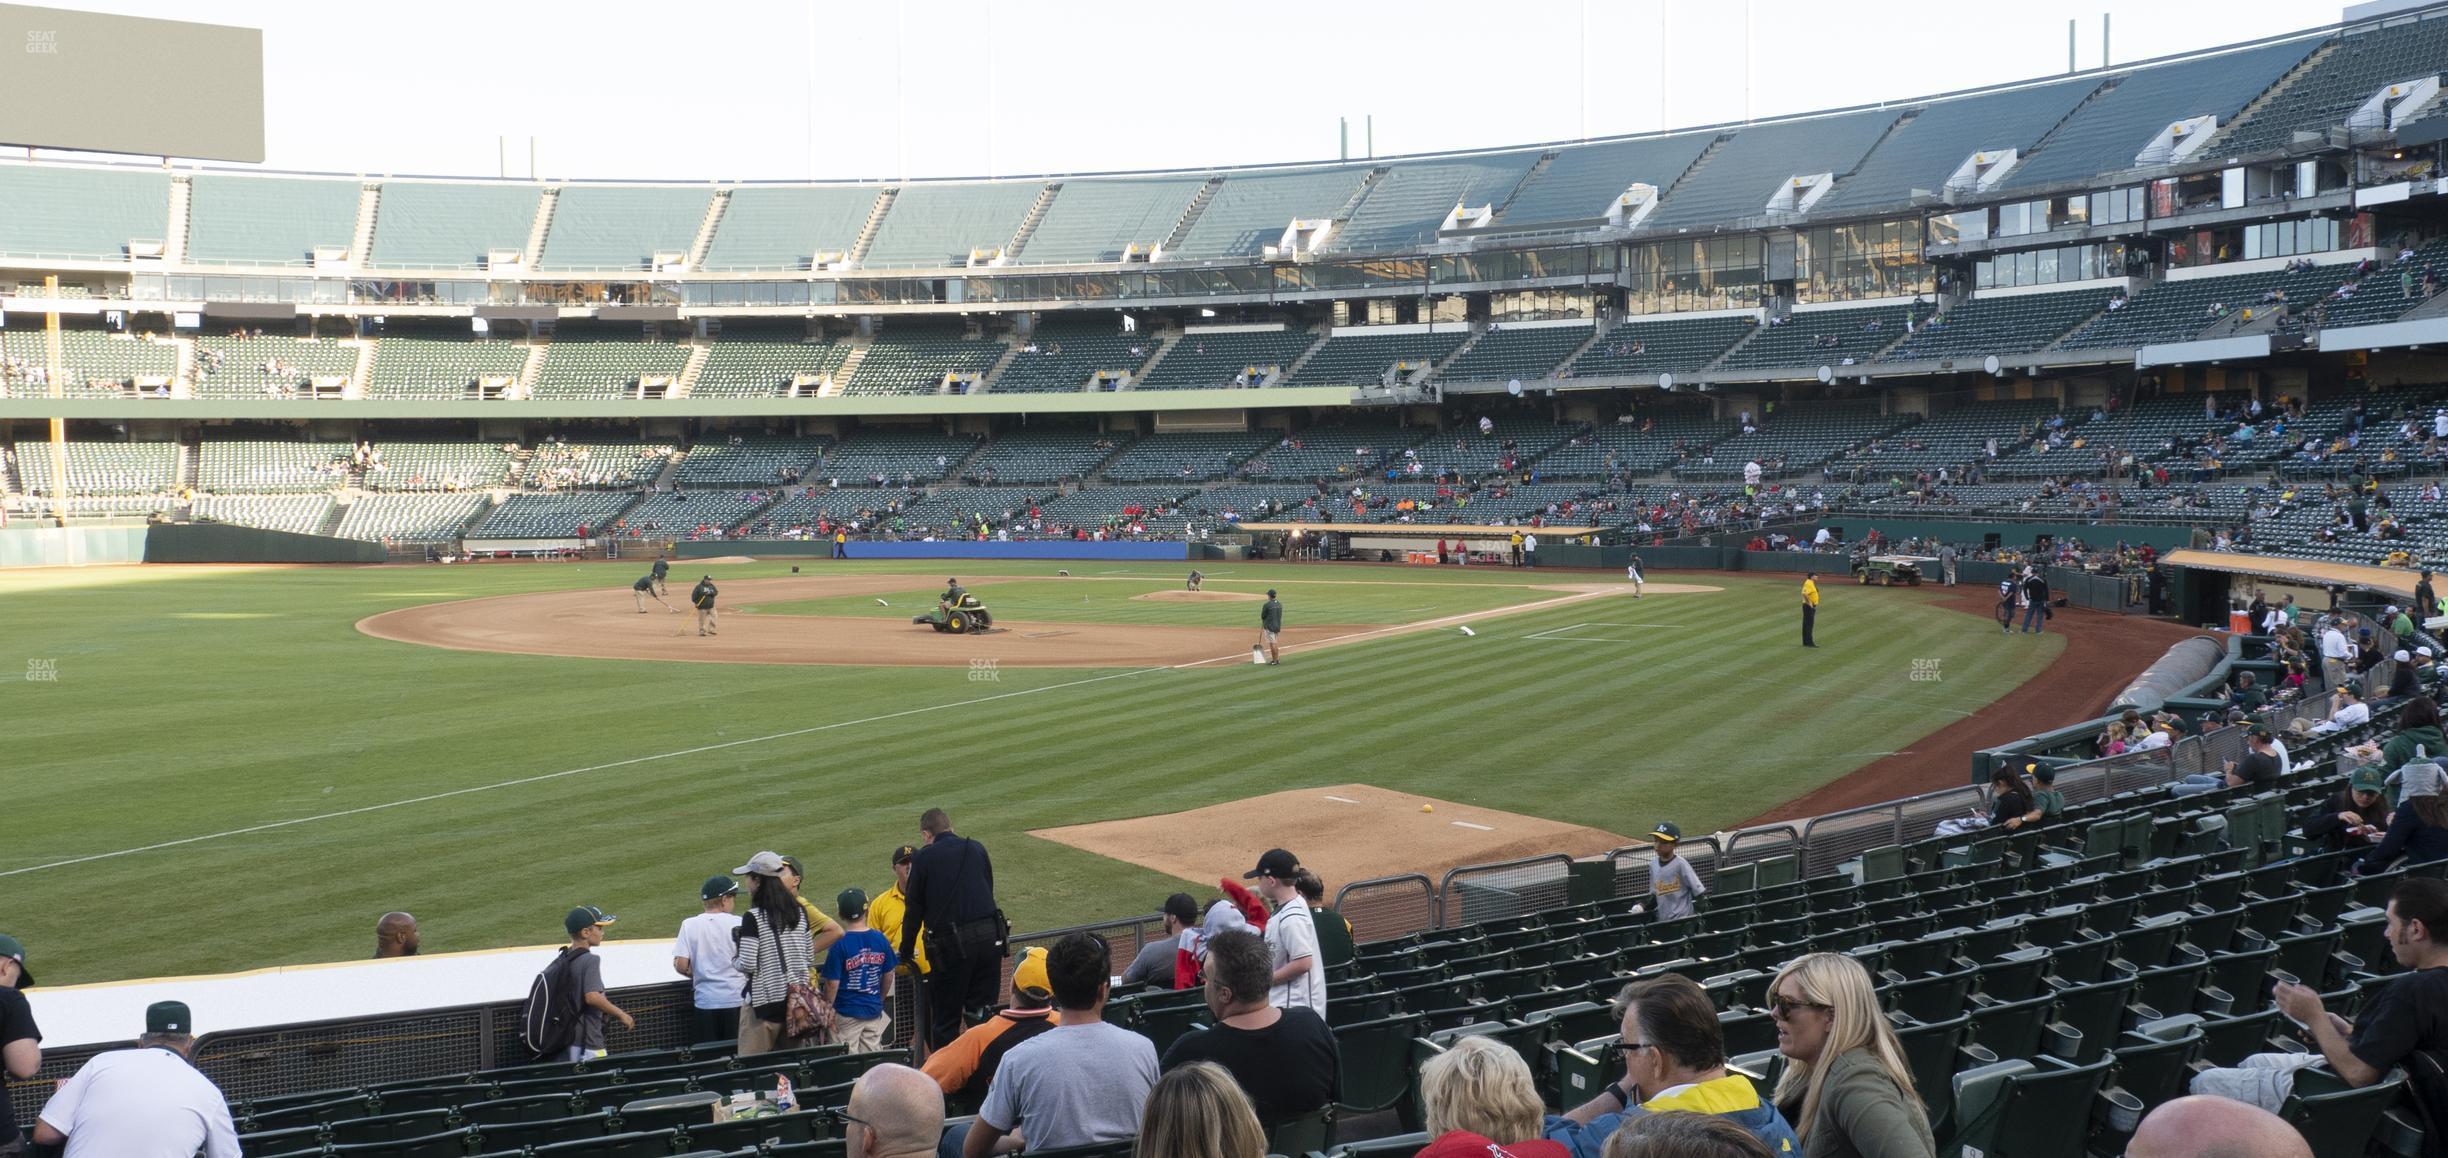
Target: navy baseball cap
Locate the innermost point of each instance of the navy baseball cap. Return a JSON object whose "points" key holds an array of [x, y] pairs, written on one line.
{"points": [[169, 1017], [1276, 863], [905, 854]]}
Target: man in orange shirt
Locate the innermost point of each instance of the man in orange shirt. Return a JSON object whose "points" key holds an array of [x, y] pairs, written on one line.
{"points": [[966, 1067]]}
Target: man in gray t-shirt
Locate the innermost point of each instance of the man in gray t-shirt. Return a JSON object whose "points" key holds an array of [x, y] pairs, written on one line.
{"points": [[1080, 1083], [1673, 882]]}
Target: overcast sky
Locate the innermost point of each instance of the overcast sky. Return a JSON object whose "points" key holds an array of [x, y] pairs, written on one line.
{"points": [[617, 88]]}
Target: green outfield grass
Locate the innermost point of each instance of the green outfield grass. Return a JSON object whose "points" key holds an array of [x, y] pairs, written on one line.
{"points": [[1116, 599], [488, 793]]}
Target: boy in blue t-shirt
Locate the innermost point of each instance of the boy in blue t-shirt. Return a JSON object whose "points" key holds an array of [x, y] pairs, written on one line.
{"points": [[858, 976]]}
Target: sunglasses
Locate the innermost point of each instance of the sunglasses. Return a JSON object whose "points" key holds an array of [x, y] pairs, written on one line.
{"points": [[1783, 1007]]}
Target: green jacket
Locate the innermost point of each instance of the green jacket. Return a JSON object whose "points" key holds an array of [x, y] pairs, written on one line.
{"points": [[1863, 1115], [2400, 749]]}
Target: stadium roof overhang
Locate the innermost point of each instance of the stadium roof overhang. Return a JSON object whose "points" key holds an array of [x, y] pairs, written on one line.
{"points": [[2395, 580]]}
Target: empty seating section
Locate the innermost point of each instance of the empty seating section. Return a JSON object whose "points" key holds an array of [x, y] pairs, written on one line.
{"points": [[2176, 311], [1923, 152], [1803, 437], [805, 504], [1581, 183], [883, 456], [297, 514], [2007, 324], [439, 466], [559, 464], [1358, 357], [918, 358], [1821, 338], [439, 367], [1653, 347], [1060, 357], [1407, 205], [1040, 456], [101, 468], [1286, 502], [2141, 428], [433, 225], [622, 227], [2324, 95], [269, 466], [229, 367], [1189, 456], [752, 461], [694, 515], [92, 361], [1508, 352], [1335, 451], [1096, 506], [1642, 447], [2105, 133], [1204, 358], [1953, 439], [1473, 454], [101, 507], [937, 226], [1738, 180], [408, 518], [605, 368], [267, 220], [81, 214], [1250, 212], [764, 366], [554, 516], [768, 227], [1096, 221], [958, 509], [2381, 295]]}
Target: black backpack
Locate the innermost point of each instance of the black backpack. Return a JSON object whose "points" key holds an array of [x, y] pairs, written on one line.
{"points": [[548, 1023]]}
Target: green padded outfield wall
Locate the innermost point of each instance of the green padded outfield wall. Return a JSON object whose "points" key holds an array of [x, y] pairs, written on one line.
{"points": [[224, 543], [72, 546]]}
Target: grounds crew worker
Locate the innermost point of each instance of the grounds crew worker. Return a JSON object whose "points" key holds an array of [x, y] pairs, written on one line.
{"points": [[952, 904], [1270, 621], [952, 593], [662, 569], [1810, 605], [701, 597]]}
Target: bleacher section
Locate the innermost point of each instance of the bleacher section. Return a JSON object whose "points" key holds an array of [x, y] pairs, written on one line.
{"points": [[439, 368], [1097, 506], [1095, 221], [1474, 455], [438, 466], [935, 226], [1822, 338], [806, 503], [561, 464], [269, 466], [1953, 439], [1921, 154], [433, 225], [622, 227], [267, 220], [1506, 352], [1060, 357], [916, 358], [1737, 181], [605, 368], [81, 214], [94, 362], [1250, 212], [256, 367], [1581, 184], [1628, 448], [2111, 128], [756, 460], [2324, 95], [298, 514], [1803, 438], [2176, 311], [1208, 359], [2140, 428], [1040, 456], [1357, 357], [784, 228], [883, 457], [2009, 324], [1404, 209], [101, 468], [2380, 296], [958, 509], [1187, 456], [554, 516], [422, 518], [1340, 450], [1654, 347], [695, 515], [764, 366], [1288, 502]]}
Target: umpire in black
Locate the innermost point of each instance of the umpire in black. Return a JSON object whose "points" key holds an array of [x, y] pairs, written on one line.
{"points": [[952, 904]]}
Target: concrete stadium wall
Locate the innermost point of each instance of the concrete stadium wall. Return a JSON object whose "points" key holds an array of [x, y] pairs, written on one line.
{"points": [[871, 549], [223, 543], [71, 546]]}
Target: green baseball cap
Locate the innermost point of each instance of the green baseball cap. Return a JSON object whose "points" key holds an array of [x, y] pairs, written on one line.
{"points": [[852, 902], [585, 915], [14, 950], [717, 885], [169, 1017], [2367, 778]]}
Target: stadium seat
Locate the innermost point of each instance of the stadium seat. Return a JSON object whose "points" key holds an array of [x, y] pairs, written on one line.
{"points": [[511, 1134], [2339, 1120], [745, 1133], [446, 1144], [1302, 1133], [637, 1144], [2026, 1108], [1375, 1057]]}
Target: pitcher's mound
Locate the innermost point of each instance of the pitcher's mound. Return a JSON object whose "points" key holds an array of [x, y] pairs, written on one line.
{"points": [[1201, 597], [1344, 833]]}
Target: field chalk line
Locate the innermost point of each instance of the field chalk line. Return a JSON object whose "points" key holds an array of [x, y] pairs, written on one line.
{"points": [[473, 789]]}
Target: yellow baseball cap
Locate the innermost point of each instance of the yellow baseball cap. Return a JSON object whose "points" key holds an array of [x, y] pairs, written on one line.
{"points": [[1029, 976]]}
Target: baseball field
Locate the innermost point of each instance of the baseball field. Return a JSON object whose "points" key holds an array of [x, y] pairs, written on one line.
{"points": [[222, 768]]}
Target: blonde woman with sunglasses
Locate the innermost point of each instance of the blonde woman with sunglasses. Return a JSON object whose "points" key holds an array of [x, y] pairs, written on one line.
{"points": [[1846, 1088]]}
